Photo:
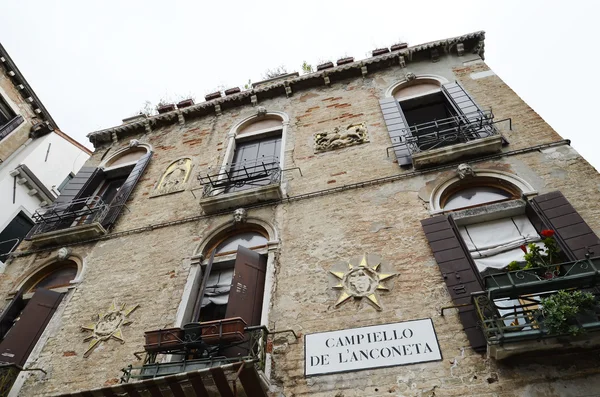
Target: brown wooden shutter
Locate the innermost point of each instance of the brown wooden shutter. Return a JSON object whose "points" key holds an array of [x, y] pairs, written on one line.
{"points": [[11, 312], [125, 191], [23, 336], [572, 232], [397, 128], [247, 287], [459, 272], [82, 185]]}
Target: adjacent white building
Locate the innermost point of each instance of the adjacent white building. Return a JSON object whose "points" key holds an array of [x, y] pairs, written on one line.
{"points": [[36, 158]]}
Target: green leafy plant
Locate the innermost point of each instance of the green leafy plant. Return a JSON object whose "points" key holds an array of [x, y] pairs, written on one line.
{"points": [[560, 311], [536, 256], [514, 265]]}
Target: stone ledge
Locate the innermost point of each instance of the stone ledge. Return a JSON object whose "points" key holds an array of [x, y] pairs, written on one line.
{"points": [[224, 201], [490, 144], [531, 347], [68, 235]]}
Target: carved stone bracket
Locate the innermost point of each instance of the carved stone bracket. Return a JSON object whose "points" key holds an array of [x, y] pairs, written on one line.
{"points": [[240, 216], [341, 137], [464, 170], [261, 111]]}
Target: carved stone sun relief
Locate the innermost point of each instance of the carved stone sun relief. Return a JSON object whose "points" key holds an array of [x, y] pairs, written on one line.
{"points": [[362, 281]]}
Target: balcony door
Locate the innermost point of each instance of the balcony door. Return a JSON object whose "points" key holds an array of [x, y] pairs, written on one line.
{"points": [[255, 162]]}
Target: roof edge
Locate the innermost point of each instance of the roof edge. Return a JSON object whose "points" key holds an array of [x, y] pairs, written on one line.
{"points": [[105, 135], [18, 76]]}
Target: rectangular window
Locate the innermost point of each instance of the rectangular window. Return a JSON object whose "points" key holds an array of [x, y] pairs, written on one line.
{"points": [[13, 234], [6, 113]]}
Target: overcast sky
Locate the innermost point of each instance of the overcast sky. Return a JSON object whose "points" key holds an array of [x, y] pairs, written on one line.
{"points": [[95, 63]]}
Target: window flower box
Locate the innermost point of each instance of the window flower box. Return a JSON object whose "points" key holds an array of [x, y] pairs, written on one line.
{"points": [[219, 331], [163, 339]]}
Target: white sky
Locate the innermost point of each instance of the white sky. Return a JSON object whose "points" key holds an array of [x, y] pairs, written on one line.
{"points": [[95, 63]]}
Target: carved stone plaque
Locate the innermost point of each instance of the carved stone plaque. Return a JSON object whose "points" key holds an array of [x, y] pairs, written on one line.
{"points": [[174, 178], [341, 137]]}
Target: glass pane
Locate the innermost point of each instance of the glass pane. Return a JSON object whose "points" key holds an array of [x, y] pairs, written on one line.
{"points": [[475, 195], [246, 239], [57, 278]]}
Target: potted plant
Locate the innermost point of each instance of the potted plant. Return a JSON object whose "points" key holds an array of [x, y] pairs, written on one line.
{"points": [[540, 264], [565, 311]]}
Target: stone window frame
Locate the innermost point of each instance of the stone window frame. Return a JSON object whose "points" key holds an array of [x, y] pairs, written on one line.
{"points": [[441, 190], [232, 137], [197, 262], [406, 81], [55, 323]]}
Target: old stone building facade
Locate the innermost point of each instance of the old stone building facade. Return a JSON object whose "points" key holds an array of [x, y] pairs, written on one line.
{"points": [[380, 200]]}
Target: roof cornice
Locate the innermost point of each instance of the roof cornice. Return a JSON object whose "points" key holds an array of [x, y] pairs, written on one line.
{"points": [[24, 88], [473, 42]]}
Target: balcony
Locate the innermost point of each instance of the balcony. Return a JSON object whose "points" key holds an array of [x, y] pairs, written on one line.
{"points": [[446, 140], [511, 313], [214, 357], [241, 185], [9, 127], [69, 222]]}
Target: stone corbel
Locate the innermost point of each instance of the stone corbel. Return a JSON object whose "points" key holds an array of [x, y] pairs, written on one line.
{"points": [[435, 55], [363, 70], [460, 49], [180, 117], [254, 100], [402, 61], [147, 127], [288, 89], [326, 80], [218, 109]]}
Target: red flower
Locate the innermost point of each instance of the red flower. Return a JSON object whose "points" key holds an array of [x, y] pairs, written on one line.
{"points": [[524, 248], [547, 233]]}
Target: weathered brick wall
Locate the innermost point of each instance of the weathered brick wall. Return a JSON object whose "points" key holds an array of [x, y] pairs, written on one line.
{"points": [[151, 268]]}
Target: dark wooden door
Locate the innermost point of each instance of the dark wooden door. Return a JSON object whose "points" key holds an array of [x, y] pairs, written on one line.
{"points": [[22, 337]]}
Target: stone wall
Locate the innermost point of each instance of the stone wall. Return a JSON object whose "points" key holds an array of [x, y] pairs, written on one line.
{"points": [[150, 267]]}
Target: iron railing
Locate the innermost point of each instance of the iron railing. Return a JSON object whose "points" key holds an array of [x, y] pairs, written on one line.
{"points": [[240, 176], [9, 127], [449, 131], [510, 310], [505, 321], [252, 349], [64, 215], [12, 243]]}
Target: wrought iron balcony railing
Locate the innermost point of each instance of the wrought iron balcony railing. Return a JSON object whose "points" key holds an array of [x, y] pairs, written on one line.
{"points": [[201, 351], [65, 215], [450, 131], [241, 176], [510, 309], [9, 127]]}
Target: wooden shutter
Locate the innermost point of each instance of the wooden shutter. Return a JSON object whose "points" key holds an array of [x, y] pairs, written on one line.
{"points": [[572, 232], [11, 312], [125, 191], [82, 185], [247, 287], [464, 105], [459, 272], [23, 336], [397, 128]]}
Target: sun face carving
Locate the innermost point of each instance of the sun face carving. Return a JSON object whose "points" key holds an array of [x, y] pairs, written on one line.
{"points": [[362, 281], [108, 325]]}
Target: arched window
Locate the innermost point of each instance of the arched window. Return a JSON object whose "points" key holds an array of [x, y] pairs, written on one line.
{"points": [[57, 275], [257, 155], [232, 284], [427, 112], [480, 191], [27, 315]]}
